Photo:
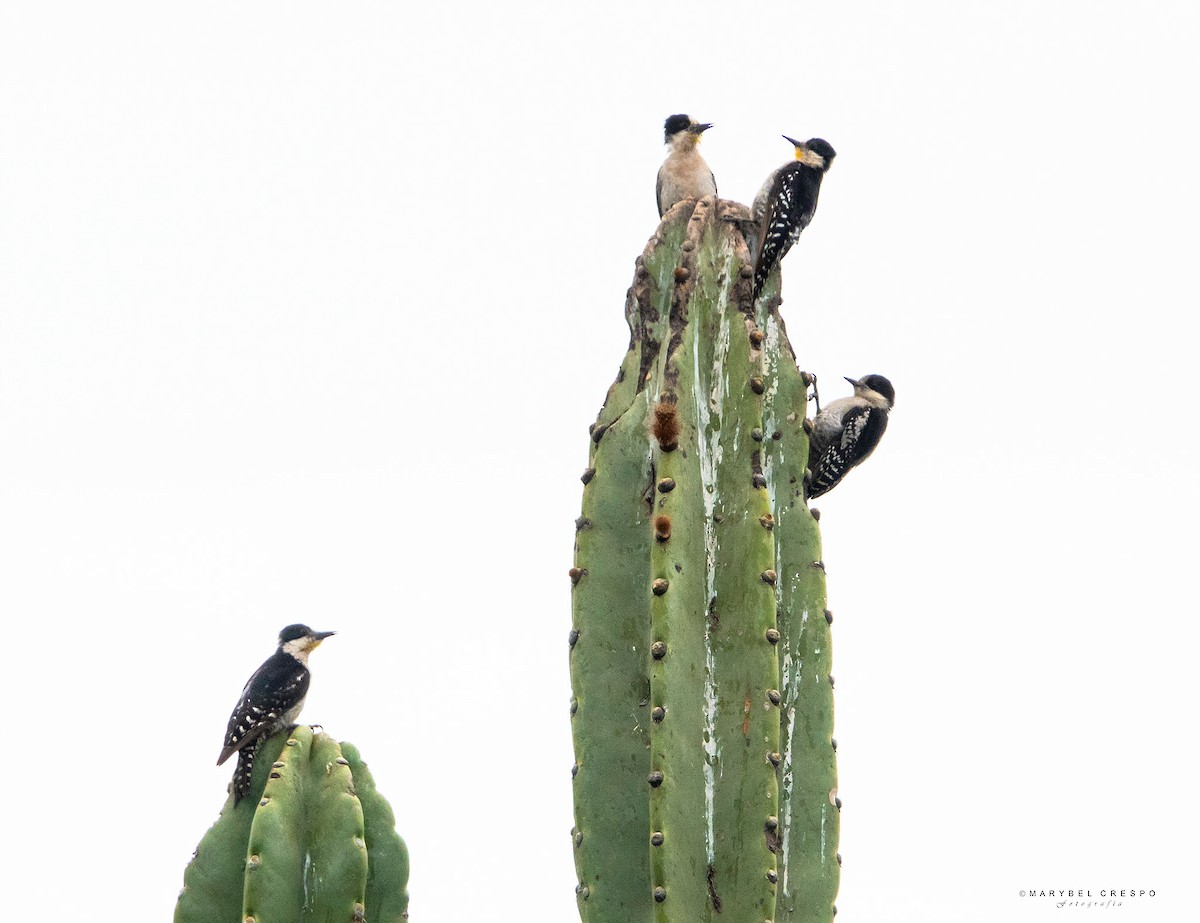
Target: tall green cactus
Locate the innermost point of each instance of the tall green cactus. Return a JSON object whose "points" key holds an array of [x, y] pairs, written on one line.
{"points": [[702, 711], [313, 840]]}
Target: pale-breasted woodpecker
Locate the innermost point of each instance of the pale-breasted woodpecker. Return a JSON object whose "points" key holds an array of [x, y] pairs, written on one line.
{"points": [[684, 174], [271, 701], [846, 431]]}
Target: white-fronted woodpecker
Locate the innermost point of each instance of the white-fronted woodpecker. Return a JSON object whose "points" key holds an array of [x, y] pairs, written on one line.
{"points": [[684, 174], [270, 702], [846, 432], [786, 204]]}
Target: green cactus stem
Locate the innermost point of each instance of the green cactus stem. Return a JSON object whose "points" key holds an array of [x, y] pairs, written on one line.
{"points": [[702, 710], [313, 840]]}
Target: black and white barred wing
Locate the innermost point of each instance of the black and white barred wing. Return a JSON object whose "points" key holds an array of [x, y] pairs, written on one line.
{"points": [[275, 689], [790, 207], [862, 428]]}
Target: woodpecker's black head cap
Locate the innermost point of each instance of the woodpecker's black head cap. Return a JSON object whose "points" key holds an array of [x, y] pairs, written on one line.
{"points": [[825, 149], [298, 631], [818, 146], [877, 383], [677, 123], [674, 125]]}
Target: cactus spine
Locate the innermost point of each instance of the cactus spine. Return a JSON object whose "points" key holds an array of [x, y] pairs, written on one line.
{"points": [[313, 839], [705, 780]]}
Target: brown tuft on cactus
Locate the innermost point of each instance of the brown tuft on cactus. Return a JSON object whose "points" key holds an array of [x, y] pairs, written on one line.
{"points": [[666, 424]]}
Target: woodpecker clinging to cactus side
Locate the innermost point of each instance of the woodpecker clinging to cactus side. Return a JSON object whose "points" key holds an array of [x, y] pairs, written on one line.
{"points": [[847, 431], [270, 702], [684, 174], [786, 204]]}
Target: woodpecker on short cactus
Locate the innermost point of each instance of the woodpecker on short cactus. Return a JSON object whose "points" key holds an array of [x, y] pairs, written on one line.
{"points": [[684, 174], [271, 701], [786, 204], [846, 432]]}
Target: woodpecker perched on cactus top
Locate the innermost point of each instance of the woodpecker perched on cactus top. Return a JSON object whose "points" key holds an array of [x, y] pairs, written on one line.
{"points": [[847, 431], [787, 202], [684, 174], [271, 701]]}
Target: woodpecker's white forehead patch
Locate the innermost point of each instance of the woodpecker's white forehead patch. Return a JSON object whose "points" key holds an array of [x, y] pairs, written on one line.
{"points": [[810, 158], [300, 648], [871, 396]]}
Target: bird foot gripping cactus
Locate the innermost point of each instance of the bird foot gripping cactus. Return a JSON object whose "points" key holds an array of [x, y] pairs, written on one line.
{"points": [[313, 839], [704, 779]]}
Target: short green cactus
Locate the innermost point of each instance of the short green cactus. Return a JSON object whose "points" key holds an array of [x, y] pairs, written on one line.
{"points": [[313, 839], [702, 711]]}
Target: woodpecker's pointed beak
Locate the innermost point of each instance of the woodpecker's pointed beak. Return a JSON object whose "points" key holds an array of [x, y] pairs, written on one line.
{"points": [[854, 381], [319, 636], [794, 142], [701, 129]]}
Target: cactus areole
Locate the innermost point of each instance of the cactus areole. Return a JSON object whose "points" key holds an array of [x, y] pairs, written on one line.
{"points": [[705, 782]]}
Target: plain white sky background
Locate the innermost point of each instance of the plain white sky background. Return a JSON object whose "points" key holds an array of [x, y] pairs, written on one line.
{"points": [[306, 310]]}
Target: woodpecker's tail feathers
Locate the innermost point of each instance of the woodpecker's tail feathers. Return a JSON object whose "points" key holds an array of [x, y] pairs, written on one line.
{"points": [[824, 474], [244, 772]]}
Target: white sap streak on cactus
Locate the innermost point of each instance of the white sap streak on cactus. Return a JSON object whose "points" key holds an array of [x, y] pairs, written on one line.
{"points": [[792, 668], [709, 445], [771, 373]]}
